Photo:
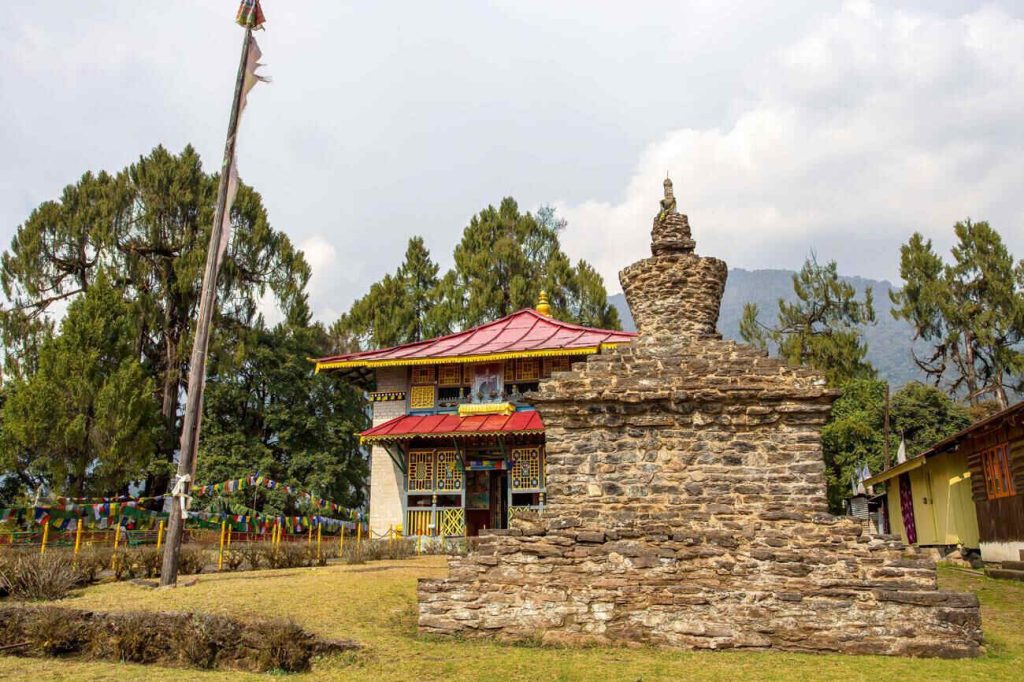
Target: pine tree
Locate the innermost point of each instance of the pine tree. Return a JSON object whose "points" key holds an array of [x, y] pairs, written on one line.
{"points": [[503, 262], [819, 329], [265, 411], [970, 312], [147, 229], [85, 422]]}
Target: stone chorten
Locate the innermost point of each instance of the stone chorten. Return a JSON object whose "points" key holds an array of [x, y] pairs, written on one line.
{"points": [[686, 503]]}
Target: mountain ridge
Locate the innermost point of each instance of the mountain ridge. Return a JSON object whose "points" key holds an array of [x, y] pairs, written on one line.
{"points": [[890, 341]]}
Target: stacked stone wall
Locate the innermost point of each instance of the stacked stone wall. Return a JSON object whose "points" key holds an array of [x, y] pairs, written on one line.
{"points": [[686, 504]]}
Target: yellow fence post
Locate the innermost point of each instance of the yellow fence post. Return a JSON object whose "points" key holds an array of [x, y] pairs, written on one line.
{"points": [[341, 543], [46, 534], [78, 535], [230, 530], [318, 528], [220, 554], [159, 535], [419, 543], [309, 533], [359, 535], [117, 541]]}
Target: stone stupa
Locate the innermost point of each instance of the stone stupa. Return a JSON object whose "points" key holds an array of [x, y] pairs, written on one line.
{"points": [[686, 503]]}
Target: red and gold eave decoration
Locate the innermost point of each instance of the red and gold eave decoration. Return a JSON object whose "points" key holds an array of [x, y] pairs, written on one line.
{"points": [[453, 426]]}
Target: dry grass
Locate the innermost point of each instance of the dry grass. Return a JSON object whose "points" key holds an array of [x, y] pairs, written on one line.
{"points": [[375, 604]]}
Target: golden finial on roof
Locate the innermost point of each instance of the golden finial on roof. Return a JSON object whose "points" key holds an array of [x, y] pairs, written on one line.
{"points": [[543, 307]]}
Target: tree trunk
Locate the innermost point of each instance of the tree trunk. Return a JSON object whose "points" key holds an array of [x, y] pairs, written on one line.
{"points": [[970, 372], [157, 484]]}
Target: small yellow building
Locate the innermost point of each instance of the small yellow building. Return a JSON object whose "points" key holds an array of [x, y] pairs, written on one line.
{"points": [[929, 500]]}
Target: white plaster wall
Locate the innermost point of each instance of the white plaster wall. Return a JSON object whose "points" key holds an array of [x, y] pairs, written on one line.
{"points": [[387, 485]]}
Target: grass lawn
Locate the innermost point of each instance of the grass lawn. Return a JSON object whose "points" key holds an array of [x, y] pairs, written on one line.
{"points": [[375, 604]]}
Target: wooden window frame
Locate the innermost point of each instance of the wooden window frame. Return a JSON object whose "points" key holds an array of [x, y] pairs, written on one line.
{"points": [[422, 374], [528, 369], [995, 465], [449, 375]]}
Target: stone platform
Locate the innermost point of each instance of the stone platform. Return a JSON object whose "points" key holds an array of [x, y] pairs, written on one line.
{"points": [[686, 503]]}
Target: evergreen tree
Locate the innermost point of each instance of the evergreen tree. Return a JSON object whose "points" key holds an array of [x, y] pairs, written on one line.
{"points": [[855, 434], [400, 308], [85, 422], [970, 312], [820, 328], [923, 415], [265, 411], [147, 229], [505, 259]]}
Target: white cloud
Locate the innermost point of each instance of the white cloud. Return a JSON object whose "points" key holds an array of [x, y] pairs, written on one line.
{"points": [[324, 263], [872, 125]]}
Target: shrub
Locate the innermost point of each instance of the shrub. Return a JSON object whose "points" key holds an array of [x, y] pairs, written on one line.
{"points": [[54, 634], [32, 576], [91, 561], [146, 561], [132, 637], [201, 643], [192, 560], [233, 558], [354, 554], [377, 550], [255, 554], [289, 555], [280, 645]]}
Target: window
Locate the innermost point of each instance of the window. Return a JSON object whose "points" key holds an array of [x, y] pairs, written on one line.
{"points": [[449, 375], [421, 398], [528, 369], [423, 374], [998, 478]]}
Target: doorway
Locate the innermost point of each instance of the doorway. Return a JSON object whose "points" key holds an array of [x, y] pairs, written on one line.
{"points": [[499, 499]]}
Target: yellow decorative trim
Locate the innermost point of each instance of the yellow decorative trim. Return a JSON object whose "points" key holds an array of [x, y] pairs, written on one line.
{"points": [[487, 408], [552, 352]]}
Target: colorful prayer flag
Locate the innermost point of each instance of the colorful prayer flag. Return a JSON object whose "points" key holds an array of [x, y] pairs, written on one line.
{"points": [[250, 15]]}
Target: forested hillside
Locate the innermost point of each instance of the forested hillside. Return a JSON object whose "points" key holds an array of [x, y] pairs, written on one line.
{"points": [[889, 340]]}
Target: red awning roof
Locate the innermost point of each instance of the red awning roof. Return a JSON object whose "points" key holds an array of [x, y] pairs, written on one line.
{"points": [[454, 426], [526, 333]]}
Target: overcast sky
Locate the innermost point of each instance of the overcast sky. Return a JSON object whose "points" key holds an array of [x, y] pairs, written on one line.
{"points": [[786, 126]]}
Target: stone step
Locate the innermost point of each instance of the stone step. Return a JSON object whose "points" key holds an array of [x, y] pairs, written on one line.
{"points": [[1013, 565], [1005, 574]]}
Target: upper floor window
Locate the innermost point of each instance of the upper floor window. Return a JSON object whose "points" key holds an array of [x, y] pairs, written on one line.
{"points": [[995, 463]]}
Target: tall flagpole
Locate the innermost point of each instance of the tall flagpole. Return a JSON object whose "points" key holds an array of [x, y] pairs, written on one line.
{"points": [[197, 365]]}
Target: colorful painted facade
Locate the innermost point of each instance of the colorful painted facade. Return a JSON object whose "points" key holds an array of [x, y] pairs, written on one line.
{"points": [[967, 490], [456, 446]]}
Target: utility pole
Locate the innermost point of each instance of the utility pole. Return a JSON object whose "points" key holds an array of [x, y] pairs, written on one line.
{"points": [[885, 440], [197, 365]]}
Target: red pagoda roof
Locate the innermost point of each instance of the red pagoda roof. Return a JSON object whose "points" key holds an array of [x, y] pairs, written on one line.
{"points": [[453, 426], [522, 334]]}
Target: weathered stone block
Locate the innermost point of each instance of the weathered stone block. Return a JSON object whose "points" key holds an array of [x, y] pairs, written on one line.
{"points": [[685, 504]]}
